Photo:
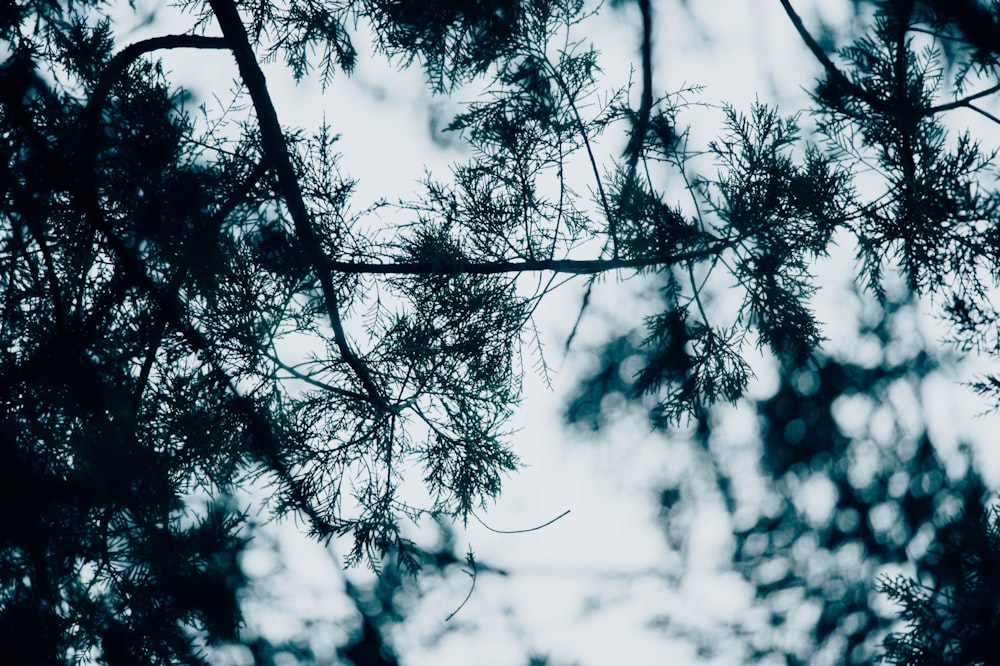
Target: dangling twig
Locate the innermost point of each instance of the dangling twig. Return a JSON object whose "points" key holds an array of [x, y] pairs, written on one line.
{"points": [[470, 559], [530, 529]]}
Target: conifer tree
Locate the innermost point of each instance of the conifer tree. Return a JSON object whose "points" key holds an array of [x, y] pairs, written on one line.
{"points": [[155, 269]]}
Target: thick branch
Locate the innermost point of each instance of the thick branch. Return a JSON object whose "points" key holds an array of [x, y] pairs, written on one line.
{"points": [[966, 101], [641, 123], [276, 151]]}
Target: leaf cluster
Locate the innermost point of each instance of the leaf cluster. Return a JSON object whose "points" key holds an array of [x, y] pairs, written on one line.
{"points": [[953, 621]]}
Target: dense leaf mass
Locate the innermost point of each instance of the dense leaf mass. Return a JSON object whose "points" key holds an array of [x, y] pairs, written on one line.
{"points": [[955, 620]]}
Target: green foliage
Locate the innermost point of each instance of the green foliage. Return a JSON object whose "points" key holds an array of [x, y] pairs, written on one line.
{"points": [[461, 40], [956, 620], [785, 215], [187, 308], [934, 204]]}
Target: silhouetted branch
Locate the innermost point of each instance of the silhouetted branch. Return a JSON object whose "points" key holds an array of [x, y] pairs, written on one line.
{"points": [[120, 62], [276, 151], [584, 135], [832, 71], [841, 79], [295, 373], [983, 113], [572, 266]]}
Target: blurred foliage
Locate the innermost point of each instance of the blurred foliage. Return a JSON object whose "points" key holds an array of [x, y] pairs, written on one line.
{"points": [[853, 479], [887, 497], [852, 483]]}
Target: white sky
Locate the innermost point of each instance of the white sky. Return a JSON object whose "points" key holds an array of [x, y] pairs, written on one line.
{"points": [[587, 588]]}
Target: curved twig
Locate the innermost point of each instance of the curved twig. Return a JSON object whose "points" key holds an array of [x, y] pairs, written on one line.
{"points": [[120, 62], [529, 529], [470, 559]]}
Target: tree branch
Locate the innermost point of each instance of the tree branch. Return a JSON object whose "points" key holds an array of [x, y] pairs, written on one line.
{"points": [[309, 379], [23, 199], [276, 151], [990, 41], [120, 62], [91, 117], [832, 71], [984, 113], [641, 123], [570, 266], [965, 101], [976, 22]]}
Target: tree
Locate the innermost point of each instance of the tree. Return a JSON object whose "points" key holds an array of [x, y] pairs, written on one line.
{"points": [[156, 270]]}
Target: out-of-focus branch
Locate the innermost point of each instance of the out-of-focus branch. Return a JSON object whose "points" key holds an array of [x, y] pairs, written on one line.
{"points": [[641, 124], [978, 25]]}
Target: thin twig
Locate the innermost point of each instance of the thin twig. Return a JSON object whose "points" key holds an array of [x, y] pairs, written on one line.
{"points": [[530, 529], [470, 559]]}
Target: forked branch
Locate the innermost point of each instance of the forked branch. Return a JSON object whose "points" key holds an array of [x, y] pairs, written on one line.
{"points": [[276, 152]]}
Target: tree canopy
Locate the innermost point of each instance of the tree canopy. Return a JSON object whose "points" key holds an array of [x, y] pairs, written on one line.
{"points": [[163, 272]]}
